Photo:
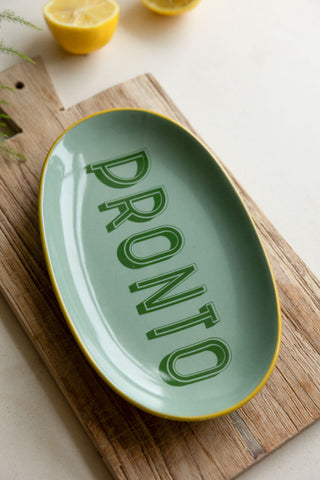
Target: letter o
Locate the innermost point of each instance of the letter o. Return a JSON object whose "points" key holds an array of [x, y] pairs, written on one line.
{"points": [[219, 348], [125, 250]]}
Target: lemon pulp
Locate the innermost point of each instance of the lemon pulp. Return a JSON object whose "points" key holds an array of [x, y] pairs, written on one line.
{"points": [[170, 7], [82, 26]]}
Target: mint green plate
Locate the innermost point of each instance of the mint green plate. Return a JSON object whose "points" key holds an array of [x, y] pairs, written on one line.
{"points": [[157, 265]]}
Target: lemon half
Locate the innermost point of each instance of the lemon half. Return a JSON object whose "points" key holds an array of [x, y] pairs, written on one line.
{"points": [[170, 7], [81, 26]]}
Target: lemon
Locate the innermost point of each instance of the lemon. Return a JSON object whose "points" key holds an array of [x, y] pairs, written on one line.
{"points": [[81, 26], [170, 7]]}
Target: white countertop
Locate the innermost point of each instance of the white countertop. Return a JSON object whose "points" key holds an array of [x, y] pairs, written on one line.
{"points": [[247, 75]]}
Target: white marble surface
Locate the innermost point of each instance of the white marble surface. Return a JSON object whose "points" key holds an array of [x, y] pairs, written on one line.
{"points": [[247, 74]]}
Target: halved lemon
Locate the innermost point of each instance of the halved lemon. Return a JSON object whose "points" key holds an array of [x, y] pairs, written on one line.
{"points": [[170, 7], [81, 26]]}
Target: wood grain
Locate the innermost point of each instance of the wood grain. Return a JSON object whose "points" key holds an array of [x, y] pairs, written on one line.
{"points": [[134, 444]]}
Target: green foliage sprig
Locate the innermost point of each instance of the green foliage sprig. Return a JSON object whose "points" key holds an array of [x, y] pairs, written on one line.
{"points": [[11, 17]]}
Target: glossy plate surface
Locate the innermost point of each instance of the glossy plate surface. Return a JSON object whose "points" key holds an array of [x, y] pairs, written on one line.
{"points": [[157, 265]]}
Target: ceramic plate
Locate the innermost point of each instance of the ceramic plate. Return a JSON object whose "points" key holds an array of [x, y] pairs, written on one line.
{"points": [[157, 265]]}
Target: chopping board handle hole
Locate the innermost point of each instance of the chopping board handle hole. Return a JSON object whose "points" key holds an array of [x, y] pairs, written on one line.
{"points": [[19, 85]]}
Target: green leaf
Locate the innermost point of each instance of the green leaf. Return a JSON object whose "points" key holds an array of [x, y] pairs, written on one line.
{"points": [[13, 152], [11, 51], [10, 16], [5, 87]]}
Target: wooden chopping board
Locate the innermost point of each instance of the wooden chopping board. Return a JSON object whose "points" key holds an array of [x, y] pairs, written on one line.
{"points": [[134, 444]]}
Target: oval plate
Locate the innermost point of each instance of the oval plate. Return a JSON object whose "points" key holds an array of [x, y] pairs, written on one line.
{"points": [[157, 265]]}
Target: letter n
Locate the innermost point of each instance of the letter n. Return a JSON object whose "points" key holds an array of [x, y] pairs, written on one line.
{"points": [[170, 280]]}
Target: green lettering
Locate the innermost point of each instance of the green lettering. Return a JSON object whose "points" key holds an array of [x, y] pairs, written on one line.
{"points": [[129, 259], [128, 209], [102, 170], [207, 316], [221, 355], [171, 280]]}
